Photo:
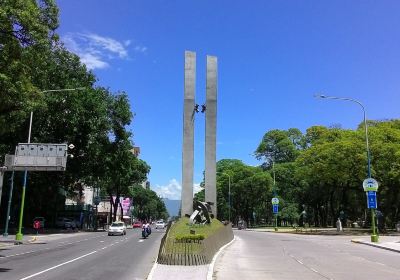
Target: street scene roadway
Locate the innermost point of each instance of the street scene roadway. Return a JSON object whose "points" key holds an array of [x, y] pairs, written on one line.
{"points": [[266, 255], [87, 255]]}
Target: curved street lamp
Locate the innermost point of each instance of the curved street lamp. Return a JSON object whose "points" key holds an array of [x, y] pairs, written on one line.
{"points": [[374, 236], [275, 196], [229, 192]]}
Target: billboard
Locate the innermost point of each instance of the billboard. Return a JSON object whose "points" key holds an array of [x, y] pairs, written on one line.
{"points": [[126, 203]]}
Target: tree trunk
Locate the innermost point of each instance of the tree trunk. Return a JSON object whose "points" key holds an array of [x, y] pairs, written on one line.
{"points": [[316, 216], [116, 202], [111, 208], [122, 211], [331, 202]]}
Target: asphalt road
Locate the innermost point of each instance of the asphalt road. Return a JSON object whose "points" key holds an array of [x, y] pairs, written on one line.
{"points": [[83, 256], [262, 255]]}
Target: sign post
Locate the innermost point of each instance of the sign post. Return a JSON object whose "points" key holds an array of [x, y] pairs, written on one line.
{"points": [[275, 210], [36, 157], [370, 187]]}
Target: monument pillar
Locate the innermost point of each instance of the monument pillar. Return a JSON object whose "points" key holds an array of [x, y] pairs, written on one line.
{"points": [[211, 127], [188, 134]]}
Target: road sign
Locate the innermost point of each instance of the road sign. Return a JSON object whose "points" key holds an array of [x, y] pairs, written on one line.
{"points": [[38, 157], [370, 184], [275, 208], [371, 196], [275, 200]]}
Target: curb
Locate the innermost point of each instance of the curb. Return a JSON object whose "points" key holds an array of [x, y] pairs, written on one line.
{"points": [[150, 276], [211, 266], [375, 245]]}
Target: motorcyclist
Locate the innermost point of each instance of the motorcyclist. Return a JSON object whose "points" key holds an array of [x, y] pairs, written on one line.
{"points": [[148, 228]]}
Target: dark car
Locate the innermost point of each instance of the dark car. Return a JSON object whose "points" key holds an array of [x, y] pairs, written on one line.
{"points": [[65, 223]]}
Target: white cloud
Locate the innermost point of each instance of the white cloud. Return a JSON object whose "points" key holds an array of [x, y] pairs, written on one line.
{"points": [[173, 189], [92, 61], [97, 51], [127, 42], [140, 49], [197, 188], [105, 43]]}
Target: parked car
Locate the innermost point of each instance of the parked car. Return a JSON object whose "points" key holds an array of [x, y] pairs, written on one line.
{"points": [[137, 224], [65, 223], [41, 220], [160, 224], [117, 228]]}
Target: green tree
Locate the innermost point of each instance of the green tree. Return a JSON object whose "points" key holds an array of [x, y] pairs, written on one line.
{"points": [[27, 31], [147, 205], [280, 146]]}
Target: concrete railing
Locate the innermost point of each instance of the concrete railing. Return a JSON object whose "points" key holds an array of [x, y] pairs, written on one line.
{"points": [[194, 252]]}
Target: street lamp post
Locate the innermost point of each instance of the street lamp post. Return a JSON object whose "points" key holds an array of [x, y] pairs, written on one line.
{"points": [[229, 194], [276, 214], [19, 235], [374, 236]]}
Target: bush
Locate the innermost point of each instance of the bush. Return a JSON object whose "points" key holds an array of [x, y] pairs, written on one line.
{"points": [[189, 237]]}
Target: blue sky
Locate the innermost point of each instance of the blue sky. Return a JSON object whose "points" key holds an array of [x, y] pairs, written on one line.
{"points": [[273, 57]]}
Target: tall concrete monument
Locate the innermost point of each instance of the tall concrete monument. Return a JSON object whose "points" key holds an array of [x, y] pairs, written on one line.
{"points": [[189, 111], [188, 134], [211, 127]]}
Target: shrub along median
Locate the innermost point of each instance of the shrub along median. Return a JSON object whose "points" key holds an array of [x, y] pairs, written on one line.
{"points": [[184, 228], [187, 244]]}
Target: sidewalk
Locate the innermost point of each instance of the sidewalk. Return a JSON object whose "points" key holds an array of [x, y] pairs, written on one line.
{"points": [[391, 243], [10, 240], [181, 272]]}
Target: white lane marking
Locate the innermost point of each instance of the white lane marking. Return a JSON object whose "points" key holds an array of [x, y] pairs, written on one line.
{"points": [[61, 264], [86, 239], [310, 268], [141, 240], [48, 248], [104, 248], [101, 241]]}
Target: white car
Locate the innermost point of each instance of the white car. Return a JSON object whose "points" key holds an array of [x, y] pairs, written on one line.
{"points": [[160, 224], [117, 228]]}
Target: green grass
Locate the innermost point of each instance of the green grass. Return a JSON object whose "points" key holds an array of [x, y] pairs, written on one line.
{"points": [[182, 227]]}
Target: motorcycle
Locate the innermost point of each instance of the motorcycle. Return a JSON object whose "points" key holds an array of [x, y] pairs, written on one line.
{"points": [[146, 231]]}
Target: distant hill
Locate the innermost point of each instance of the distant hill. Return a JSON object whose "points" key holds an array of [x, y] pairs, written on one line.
{"points": [[172, 206]]}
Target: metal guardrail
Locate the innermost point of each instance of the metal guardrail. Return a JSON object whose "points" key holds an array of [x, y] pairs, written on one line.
{"points": [[194, 252]]}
